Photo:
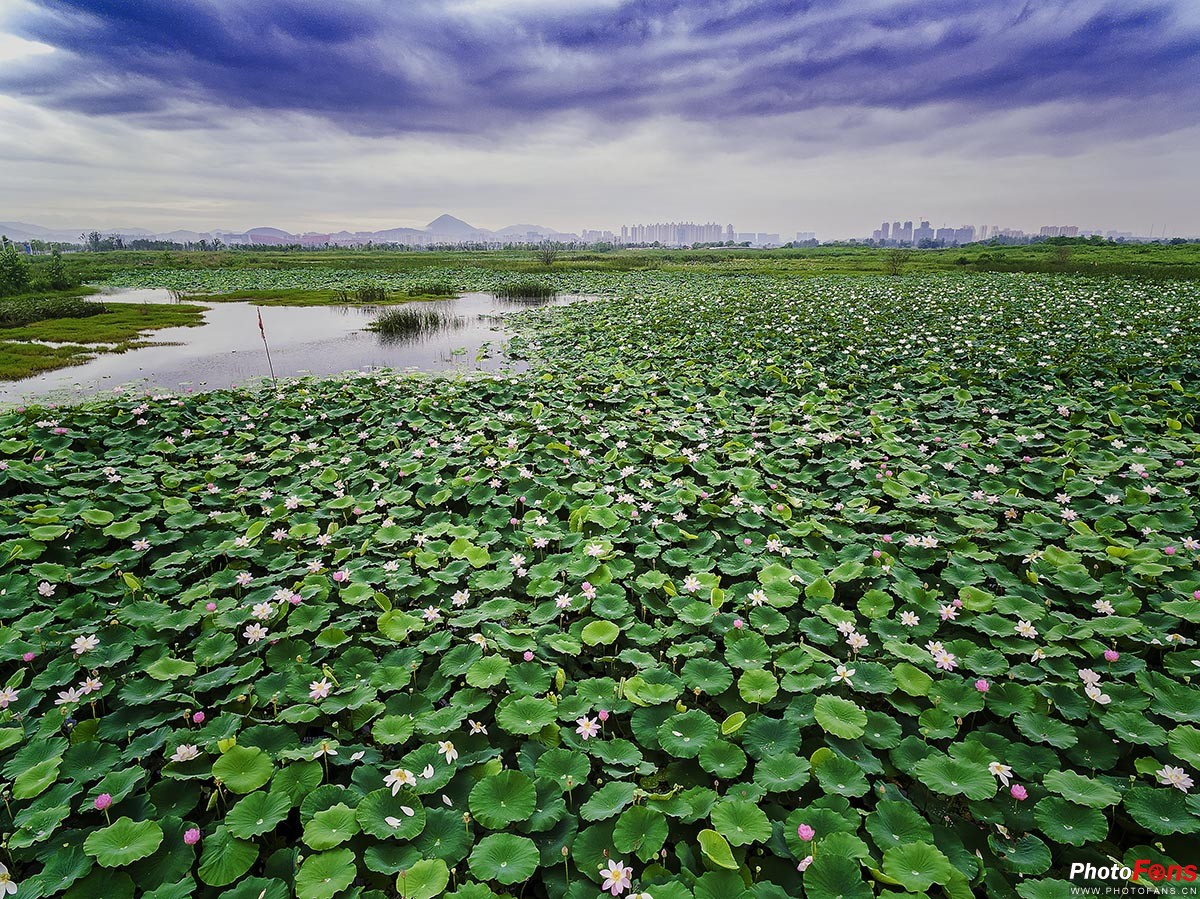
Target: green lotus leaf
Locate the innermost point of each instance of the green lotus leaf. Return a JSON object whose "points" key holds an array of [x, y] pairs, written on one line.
{"points": [[243, 769], [123, 842], [716, 849], [600, 633], [504, 858], [640, 830], [840, 717], [1161, 810], [841, 777], [503, 799], [1081, 790], [330, 827], [917, 866], [224, 858], [897, 823], [1024, 854], [741, 822], [685, 734], [325, 874], [256, 814], [1066, 822], [757, 686], [385, 815], [831, 877], [563, 766], [525, 715], [954, 777], [424, 880], [607, 801]]}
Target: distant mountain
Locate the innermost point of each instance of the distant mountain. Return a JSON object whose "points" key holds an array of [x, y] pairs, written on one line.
{"points": [[522, 230], [452, 227], [22, 231], [443, 229]]}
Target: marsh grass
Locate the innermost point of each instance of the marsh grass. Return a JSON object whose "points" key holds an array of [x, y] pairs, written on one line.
{"points": [[409, 324], [22, 360], [432, 289], [525, 290], [115, 323], [368, 293], [27, 310]]}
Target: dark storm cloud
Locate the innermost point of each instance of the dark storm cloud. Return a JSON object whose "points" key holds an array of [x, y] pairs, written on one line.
{"points": [[378, 67]]}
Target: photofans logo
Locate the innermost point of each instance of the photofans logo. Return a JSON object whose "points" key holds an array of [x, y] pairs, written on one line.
{"points": [[1145, 878]]}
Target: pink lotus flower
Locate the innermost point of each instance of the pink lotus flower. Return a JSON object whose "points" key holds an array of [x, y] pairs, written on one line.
{"points": [[1169, 550], [806, 832], [340, 577], [981, 685], [192, 836], [738, 623], [210, 606], [1111, 655], [103, 801], [29, 656], [804, 863], [198, 718], [1019, 793], [528, 656], [602, 714]]}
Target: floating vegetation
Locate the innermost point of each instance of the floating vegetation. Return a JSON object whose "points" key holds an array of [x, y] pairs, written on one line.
{"points": [[798, 588]]}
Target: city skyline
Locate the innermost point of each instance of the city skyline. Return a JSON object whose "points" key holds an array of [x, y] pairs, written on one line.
{"points": [[447, 229], [197, 114]]}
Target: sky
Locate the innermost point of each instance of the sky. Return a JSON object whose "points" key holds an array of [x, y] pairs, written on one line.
{"points": [[778, 116]]}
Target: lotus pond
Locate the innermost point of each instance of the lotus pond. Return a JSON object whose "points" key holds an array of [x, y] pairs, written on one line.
{"points": [[750, 587]]}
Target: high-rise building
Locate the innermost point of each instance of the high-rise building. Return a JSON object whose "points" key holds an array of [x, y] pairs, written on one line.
{"points": [[906, 232], [884, 230], [675, 233], [895, 230], [924, 232]]}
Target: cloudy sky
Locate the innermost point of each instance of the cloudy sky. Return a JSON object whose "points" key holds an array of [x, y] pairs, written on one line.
{"points": [[776, 115]]}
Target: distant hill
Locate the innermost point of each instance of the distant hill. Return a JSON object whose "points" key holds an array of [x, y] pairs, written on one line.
{"points": [[522, 230], [445, 228], [452, 227]]}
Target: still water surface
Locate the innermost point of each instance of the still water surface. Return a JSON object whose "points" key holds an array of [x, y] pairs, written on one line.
{"points": [[227, 349]]}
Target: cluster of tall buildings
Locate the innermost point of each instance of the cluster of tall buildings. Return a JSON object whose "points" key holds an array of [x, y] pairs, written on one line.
{"points": [[685, 234], [677, 234], [904, 234]]}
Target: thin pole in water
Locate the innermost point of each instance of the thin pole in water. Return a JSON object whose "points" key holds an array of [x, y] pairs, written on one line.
{"points": [[263, 332]]}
